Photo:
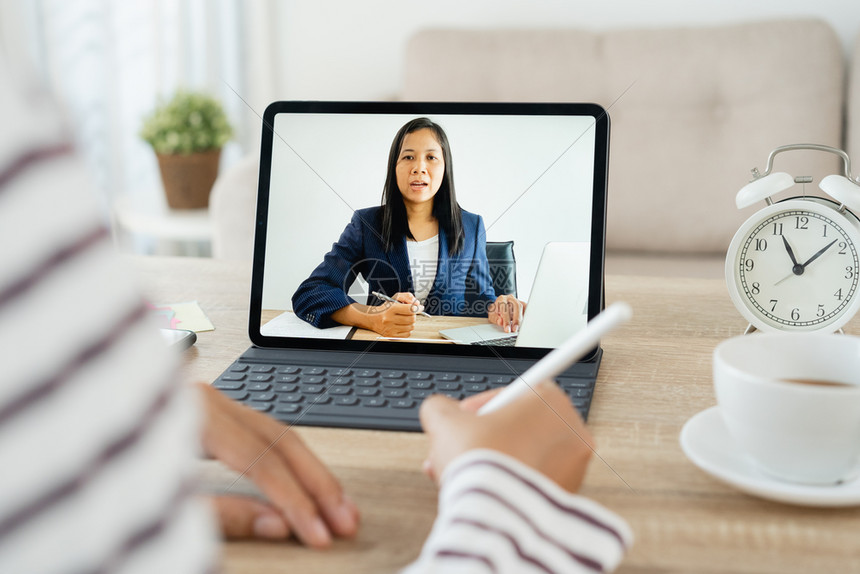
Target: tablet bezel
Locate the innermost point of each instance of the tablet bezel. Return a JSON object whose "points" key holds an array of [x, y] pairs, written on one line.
{"points": [[598, 217]]}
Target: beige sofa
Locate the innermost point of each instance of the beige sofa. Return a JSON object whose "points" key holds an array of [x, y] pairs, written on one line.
{"points": [[692, 110]]}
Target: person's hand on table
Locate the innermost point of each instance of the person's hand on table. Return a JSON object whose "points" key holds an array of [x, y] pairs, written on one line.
{"points": [[396, 319], [506, 312], [557, 444], [304, 498]]}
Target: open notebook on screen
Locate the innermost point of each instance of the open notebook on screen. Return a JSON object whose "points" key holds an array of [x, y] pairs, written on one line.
{"points": [[402, 199]]}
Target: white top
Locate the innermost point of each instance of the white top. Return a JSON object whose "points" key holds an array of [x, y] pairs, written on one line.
{"points": [[423, 261]]}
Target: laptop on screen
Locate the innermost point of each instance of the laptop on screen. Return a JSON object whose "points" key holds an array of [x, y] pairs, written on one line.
{"points": [[547, 324], [402, 199]]}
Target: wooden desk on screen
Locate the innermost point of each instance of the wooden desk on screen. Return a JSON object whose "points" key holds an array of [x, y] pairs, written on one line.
{"points": [[656, 374], [426, 328]]}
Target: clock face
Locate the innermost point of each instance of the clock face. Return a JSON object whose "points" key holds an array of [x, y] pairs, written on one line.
{"points": [[794, 266]]}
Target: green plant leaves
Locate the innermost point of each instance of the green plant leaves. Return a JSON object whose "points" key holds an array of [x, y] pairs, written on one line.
{"points": [[189, 122]]}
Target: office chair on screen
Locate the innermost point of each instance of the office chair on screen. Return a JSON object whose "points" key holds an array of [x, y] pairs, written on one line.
{"points": [[503, 267]]}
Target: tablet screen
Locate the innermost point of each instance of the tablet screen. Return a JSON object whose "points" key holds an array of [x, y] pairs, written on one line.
{"points": [[450, 206]]}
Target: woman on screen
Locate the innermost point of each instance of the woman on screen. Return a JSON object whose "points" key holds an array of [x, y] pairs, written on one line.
{"points": [[418, 248]]}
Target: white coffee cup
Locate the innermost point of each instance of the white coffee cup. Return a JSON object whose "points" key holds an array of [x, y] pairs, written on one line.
{"points": [[801, 432]]}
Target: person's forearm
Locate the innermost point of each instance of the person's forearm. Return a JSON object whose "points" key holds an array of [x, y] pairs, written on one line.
{"points": [[355, 315], [497, 515]]}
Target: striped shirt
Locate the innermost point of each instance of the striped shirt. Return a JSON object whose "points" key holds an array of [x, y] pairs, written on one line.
{"points": [[97, 438], [497, 515]]}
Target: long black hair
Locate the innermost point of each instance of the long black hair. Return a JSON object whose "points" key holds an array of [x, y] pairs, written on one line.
{"points": [[446, 210]]}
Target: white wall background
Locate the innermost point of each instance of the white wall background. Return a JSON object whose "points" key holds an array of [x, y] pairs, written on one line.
{"points": [[353, 50]]}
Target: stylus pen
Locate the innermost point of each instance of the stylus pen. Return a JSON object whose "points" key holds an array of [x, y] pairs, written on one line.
{"points": [[561, 358], [390, 300]]}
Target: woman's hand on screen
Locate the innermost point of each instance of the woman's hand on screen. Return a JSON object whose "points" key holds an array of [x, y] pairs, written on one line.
{"points": [[397, 319], [507, 312]]}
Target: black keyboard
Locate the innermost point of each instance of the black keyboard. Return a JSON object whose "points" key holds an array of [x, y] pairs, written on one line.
{"points": [[369, 397], [500, 342]]}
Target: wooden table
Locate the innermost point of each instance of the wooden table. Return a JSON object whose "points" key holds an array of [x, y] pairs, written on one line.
{"points": [[656, 374], [426, 328]]}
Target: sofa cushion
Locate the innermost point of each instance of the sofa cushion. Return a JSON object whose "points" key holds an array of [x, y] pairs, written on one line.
{"points": [[692, 110]]}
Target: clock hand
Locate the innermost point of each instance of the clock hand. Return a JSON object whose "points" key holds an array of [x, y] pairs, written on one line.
{"points": [[790, 250], [796, 268], [784, 278], [799, 268], [819, 253]]}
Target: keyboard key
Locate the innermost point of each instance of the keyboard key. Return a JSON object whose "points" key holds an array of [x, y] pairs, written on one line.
{"points": [[261, 378], [312, 389], [403, 404], [420, 376], [237, 395], [474, 379], [259, 387], [454, 395], [341, 372], [288, 409], [500, 379], [314, 371], [475, 387], [367, 392], [320, 400], [262, 407], [580, 393], [288, 370], [421, 384], [340, 391], [395, 393], [341, 381], [367, 373], [313, 380], [346, 401], [291, 398], [228, 385], [262, 397], [286, 378], [420, 394], [395, 384], [238, 368], [449, 386], [447, 377], [393, 374], [233, 377], [406, 417], [376, 403], [366, 382], [263, 369], [575, 383], [286, 388]]}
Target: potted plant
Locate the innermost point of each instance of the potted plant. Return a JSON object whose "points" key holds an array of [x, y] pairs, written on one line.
{"points": [[187, 133]]}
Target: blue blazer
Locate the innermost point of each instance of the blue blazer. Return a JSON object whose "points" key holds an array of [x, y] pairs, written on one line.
{"points": [[462, 286]]}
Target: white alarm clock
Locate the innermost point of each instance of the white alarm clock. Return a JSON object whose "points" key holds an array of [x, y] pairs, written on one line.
{"points": [[794, 265]]}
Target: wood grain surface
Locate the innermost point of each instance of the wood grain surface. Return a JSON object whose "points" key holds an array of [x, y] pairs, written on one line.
{"points": [[656, 374]]}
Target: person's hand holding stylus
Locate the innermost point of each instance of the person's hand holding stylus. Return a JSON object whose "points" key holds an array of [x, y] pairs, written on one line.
{"points": [[531, 419], [405, 298]]}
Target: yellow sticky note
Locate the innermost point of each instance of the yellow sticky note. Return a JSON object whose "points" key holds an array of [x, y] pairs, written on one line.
{"points": [[187, 315]]}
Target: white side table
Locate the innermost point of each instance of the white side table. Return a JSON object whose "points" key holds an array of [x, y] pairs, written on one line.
{"points": [[169, 231]]}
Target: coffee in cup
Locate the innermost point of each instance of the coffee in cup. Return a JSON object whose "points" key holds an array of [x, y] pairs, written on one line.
{"points": [[792, 402]]}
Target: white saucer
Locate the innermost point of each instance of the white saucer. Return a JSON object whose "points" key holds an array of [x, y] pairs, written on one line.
{"points": [[708, 444]]}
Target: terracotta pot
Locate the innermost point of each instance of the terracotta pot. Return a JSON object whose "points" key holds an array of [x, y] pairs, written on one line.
{"points": [[188, 179]]}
